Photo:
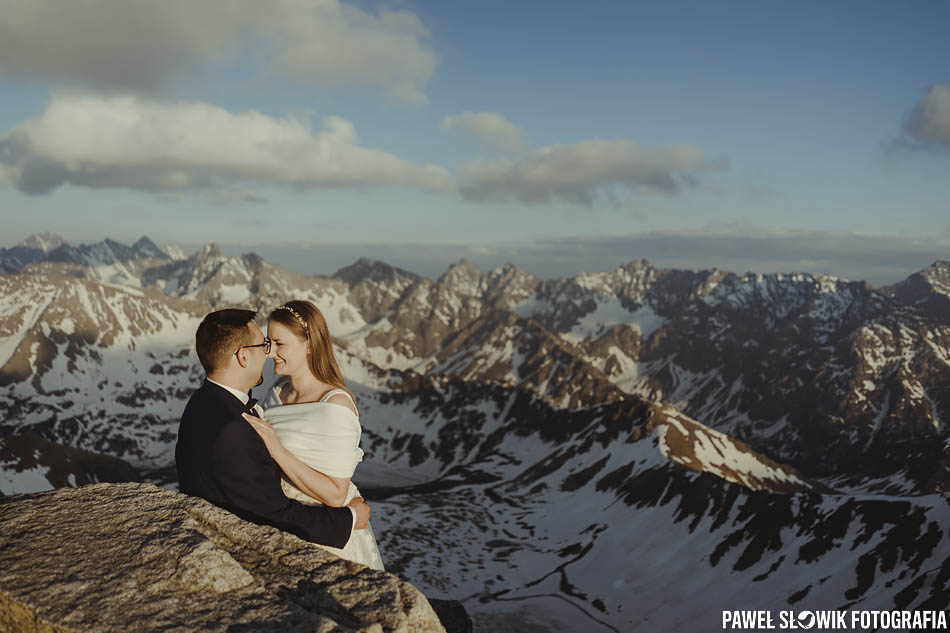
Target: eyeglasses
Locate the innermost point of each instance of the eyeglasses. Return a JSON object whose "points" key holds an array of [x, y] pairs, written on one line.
{"points": [[266, 345]]}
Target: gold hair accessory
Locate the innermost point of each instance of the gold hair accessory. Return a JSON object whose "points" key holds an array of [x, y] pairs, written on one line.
{"points": [[297, 316]]}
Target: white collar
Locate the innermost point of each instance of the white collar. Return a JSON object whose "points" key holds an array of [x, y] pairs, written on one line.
{"points": [[243, 397]]}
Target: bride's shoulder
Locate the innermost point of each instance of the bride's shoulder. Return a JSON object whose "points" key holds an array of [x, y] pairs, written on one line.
{"points": [[343, 398]]}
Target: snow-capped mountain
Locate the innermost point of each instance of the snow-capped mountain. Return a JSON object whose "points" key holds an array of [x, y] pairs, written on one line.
{"points": [[174, 251], [109, 261], [928, 290], [45, 241], [834, 378], [635, 449], [586, 520], [813, 371], [31, 250], [96, 366], [218, 280]]}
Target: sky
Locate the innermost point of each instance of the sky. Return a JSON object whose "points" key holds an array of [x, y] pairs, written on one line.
{"points": [[762, 136]]}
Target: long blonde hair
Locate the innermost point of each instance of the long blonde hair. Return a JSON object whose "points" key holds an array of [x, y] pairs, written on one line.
{"points": [[306, 321]]}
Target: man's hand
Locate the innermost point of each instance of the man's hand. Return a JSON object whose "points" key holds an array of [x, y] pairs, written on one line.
{"points": [[267, 433], [362, 513]]}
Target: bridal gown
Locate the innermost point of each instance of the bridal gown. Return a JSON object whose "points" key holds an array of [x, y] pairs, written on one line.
{"points": [[325, 436]]}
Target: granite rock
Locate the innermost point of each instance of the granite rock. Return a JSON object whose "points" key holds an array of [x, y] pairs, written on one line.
{"points": [[135, 557]]}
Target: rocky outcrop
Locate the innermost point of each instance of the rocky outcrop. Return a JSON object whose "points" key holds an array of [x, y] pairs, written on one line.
{"points": [[134, 557]]}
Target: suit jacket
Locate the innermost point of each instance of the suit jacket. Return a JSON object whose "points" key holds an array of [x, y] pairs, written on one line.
{"points": [[221, 458]]}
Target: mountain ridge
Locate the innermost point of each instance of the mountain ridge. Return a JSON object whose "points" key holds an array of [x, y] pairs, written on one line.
{"points": [[578, 340], [599, 441]]}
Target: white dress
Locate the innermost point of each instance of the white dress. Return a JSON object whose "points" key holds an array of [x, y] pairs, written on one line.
{"points": [[326, 437]]}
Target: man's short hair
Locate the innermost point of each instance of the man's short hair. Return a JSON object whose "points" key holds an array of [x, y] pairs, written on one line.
{"points": [[220, 334]]}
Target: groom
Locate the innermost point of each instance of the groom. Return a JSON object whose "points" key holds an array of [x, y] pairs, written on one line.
{"points": [[219, 455]]}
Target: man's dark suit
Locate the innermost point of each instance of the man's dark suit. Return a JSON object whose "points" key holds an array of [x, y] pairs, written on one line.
{"points": [[222, 459]]}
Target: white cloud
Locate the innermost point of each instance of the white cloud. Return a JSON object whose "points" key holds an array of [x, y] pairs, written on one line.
{"points": [[140, 46], [135, 143], [340, 43], [582, 172], [489, 128], [929, 121]]}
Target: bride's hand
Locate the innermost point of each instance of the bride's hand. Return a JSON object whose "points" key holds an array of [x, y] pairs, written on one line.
{"points": [[267, 433]]}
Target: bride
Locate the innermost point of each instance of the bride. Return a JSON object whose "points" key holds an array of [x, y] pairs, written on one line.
{"points": [[311, 426]]}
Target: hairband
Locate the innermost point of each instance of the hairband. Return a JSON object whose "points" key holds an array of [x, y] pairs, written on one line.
{"points": [[297, 316]]}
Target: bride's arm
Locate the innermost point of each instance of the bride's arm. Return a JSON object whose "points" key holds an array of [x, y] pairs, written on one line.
{"points": [[329, 490]]}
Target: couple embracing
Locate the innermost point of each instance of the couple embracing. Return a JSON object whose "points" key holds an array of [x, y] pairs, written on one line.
{"points": [[289, 463]]}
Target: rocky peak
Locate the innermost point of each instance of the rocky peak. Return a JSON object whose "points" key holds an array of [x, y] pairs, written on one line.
{"points": [[186, 277], [120, 251], [175, 252], [509, 273], [145, 247], [365, 269], [638, 272], [45, 241], [928, 289], [101, 253], [509, 284], [209, 251], [210, 268], [254, 261], [13, 260], [505, 270], [636, 265], [463, 277], [938, 276], [63, 253]]}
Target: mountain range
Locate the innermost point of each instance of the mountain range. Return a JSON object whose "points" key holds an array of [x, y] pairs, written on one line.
{"points": [[635, 449]]}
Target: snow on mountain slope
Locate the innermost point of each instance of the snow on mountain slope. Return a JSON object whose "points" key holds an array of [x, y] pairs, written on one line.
{"points": [[208, 276], [587, 513], [31, 250], [21, 309], [821, 373], [175, 252], [45, 241], [107, 261], [506, 348], [759, 357], [702, 449], [813, 371], [374, 286], [927, 290], [96, 367], [221, 280]]}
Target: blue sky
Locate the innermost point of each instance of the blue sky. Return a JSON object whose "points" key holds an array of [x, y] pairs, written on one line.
{"points": [[532, 132]]}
